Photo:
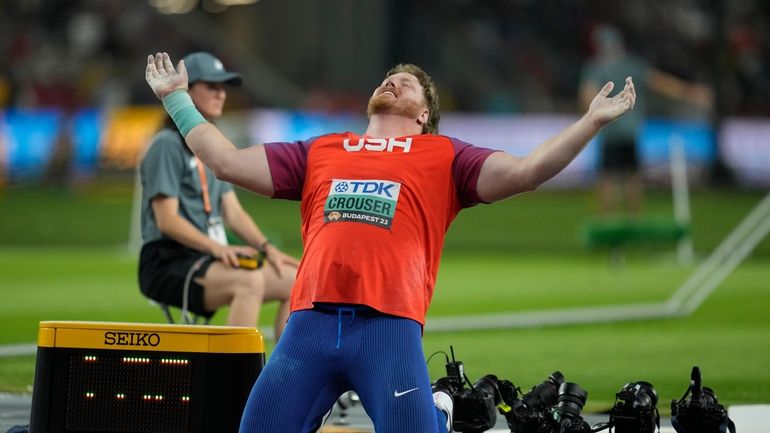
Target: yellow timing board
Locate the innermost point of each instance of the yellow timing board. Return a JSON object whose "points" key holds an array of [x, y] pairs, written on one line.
{"points": [[136, 377]]}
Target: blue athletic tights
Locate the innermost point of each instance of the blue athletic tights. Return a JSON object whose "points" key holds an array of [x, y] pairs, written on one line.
{"points": [[325, 352]]}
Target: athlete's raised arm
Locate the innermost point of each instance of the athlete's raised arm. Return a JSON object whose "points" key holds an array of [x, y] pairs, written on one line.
{"points": [[246, 167], [503, 175]]}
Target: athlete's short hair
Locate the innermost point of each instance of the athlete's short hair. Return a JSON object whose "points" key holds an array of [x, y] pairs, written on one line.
{"points": [[428, 91]]}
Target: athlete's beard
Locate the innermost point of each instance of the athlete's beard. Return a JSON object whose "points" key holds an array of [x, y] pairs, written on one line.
{"points": [[382, 104]]}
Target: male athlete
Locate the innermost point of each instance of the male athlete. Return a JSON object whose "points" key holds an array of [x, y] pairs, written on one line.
{"points": [[375, 209]]}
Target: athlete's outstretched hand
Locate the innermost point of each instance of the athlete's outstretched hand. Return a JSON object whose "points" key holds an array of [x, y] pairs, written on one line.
{"points": [[162, 77], [604, 109]]}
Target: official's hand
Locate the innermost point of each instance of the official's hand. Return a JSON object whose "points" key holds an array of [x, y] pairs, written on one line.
{"points": [[228, 254], [604, 109], [277, 258], [162, 77]]}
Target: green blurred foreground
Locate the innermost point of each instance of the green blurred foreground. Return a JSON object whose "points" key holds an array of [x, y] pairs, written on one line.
{"points": [[63, 257]]}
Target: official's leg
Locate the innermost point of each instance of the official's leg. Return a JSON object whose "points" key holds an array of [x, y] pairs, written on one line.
{"points": [[242, 289], [278, 288], [635, 193], [607, 192], [635, 185], [164, 267], [607, 183]]}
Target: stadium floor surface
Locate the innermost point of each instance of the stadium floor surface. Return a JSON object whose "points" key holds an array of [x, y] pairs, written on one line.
{"points": [[15, 410]]}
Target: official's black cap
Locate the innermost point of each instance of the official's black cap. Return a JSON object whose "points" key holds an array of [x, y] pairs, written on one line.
{"points": [[202, 66]]}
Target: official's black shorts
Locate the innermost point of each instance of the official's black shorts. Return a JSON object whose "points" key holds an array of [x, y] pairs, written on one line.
{"points": [[619, 157], [163, 267]]}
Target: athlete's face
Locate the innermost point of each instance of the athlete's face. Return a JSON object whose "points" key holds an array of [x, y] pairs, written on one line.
{"points": [[399, 94], [209, 98]]}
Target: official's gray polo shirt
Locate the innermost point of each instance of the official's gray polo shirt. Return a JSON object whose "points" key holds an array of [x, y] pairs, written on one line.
{"points": [[169, 168]]}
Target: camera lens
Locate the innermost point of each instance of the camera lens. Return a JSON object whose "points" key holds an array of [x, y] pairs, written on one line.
{"points": [[645, 395], [507, 391], [572, 398], [556, 378], [488, 385], [544, 394], [708, 396]]}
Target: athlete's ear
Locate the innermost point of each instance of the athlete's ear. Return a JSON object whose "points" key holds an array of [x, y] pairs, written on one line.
{"points": [[422, 119]]}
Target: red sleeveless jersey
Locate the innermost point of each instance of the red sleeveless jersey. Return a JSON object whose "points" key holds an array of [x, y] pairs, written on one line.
{"points": [[374, 215]]}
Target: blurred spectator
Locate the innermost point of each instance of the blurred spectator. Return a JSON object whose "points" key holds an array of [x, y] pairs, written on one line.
{"points": [[618, 159], [60, 173], [3, 161], [748, 83], [489, 56], [5, 90]]}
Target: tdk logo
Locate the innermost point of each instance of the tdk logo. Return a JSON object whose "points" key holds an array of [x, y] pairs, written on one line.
{"points": [[377, 144], [116, 338], [384, 189], [365, 187]]}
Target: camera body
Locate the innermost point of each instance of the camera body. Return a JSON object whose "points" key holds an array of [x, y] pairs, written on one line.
{"points": [[702, 413], [474, 406], [532, 412], [553, 406], [635, 409]]}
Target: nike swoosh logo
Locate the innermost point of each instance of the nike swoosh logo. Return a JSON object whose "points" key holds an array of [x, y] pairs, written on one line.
{"points": [[399, 394]]}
